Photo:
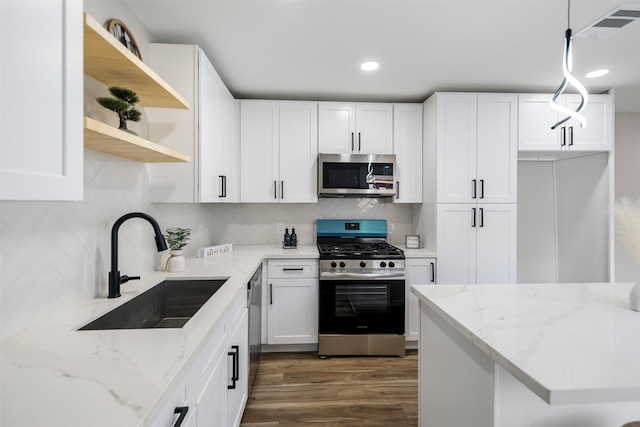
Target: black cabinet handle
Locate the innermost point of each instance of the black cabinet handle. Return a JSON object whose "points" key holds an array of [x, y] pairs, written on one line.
{"points": [[282, 189], [275, 189], [235, 376], [182, 410], [473, 217], [563, 137], [570, 136], [482, 188], [473, 189], [293, 269], [271, 293], [481, 217], [397, 190], [223, 186], [433, 272], [352, 142], [359, 141]]}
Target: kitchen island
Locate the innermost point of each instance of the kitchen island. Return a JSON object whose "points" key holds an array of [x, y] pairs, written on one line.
{"points": [[54, 375], [528, 355]]}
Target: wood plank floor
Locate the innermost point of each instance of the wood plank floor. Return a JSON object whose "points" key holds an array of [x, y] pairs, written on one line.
{"points": [[299, 389]]}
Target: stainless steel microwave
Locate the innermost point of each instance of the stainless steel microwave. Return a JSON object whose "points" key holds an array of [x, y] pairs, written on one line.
{"points": [[356, 175]]}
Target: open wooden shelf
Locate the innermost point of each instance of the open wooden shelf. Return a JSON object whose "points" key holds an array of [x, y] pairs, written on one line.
{"points": [[110, 62], [108, 139]]}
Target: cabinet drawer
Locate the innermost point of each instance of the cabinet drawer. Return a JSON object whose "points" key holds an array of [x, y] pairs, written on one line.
{"points": [[284, 269]]}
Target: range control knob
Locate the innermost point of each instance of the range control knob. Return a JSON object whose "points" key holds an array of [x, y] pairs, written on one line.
{"points": [[392, 264], [384, 264], [333, 264], [363, 264], [342, 264]]}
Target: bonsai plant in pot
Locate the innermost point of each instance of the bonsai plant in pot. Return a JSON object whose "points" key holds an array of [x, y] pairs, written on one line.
{"points": [[176, 238], [122, 103]]}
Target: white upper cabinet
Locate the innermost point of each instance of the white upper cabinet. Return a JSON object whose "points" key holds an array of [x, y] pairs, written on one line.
{"points": [[536, 117], [41, 79], [278, 151], [206, 132], [476, 148], [407, 146], [359, 128]]}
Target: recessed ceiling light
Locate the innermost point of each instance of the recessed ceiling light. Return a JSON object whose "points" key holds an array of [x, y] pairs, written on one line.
{"points": [[596, 73], [369, 66]]}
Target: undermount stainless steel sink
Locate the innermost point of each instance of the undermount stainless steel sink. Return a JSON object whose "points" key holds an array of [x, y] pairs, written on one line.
{"points": [[169, 304]]}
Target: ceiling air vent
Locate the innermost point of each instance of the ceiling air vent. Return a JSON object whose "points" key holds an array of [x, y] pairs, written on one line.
{"points": [[611, 22]]}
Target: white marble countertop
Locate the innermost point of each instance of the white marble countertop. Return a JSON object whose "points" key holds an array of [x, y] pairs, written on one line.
{"points": [[53, 375], [568, 343], [417, 253]]}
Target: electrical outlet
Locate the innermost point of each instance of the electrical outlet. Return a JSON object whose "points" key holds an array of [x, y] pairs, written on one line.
{"points": [[390, 227], [280, 228]]}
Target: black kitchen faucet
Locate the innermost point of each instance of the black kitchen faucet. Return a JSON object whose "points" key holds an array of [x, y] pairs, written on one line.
{"points": [[115, 280]]}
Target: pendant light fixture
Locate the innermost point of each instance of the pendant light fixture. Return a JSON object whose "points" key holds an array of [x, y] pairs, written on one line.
{"points": [[567, 64]]}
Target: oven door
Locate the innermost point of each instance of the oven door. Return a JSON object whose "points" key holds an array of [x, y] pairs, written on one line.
{"points": [[361, 306]]}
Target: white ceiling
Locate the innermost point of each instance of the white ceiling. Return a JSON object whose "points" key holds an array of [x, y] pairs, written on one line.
{"points": [[312, 49]]}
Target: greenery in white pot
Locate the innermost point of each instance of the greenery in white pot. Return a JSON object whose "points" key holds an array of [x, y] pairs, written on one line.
{"points": [[177, 237]]}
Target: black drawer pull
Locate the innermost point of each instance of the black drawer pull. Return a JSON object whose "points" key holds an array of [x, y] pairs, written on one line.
{"points": [[293, 269]]}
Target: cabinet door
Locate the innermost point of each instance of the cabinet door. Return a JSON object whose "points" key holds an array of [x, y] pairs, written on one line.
{"points": [[456, 135], [41, 45], [421, 271], [497, 148], [598, 134], [259, 157], [298, 151], [407, 146], [293, 311], [336, 127], [238, 358], [211, 406], [374, 128], [456, 240], [208, 127], [496, 243], [535, 118], [228, 159]]}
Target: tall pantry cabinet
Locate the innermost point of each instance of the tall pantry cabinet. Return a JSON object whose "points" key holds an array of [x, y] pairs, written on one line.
{"points": [[474, 143]]}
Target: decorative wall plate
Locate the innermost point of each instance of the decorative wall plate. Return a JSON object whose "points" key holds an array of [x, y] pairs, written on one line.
{"points": [[120, 31]]}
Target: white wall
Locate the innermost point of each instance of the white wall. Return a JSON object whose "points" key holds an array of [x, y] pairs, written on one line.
{"points": [[627, 183]]}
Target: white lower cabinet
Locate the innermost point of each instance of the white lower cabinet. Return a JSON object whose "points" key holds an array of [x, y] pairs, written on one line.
{"points": [[215, 389], [417, 271], [292, 301]]}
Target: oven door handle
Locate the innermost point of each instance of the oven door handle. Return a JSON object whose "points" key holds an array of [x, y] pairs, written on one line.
{"points": [[359, 276]]}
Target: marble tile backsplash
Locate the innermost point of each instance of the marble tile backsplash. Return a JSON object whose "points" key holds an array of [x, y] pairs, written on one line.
{"points": [[55, 254]]}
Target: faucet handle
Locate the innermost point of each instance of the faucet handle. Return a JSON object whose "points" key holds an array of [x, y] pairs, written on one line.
{"points": [[125, 278]]}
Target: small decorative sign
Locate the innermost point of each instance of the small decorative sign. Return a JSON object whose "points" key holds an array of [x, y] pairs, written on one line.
{"points": [[215, 250], [412, 241]]}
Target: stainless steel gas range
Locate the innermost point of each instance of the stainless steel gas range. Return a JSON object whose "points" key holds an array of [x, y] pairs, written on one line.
{"points": [[362, 289]]}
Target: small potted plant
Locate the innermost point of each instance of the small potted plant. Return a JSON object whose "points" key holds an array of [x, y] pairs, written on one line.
{"points": [[176, 239], [122, 102]]}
